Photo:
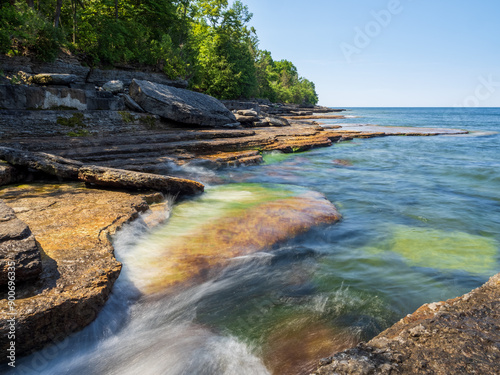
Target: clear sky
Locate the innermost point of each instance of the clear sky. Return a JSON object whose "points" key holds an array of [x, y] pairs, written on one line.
{"points": [[393, 53]]}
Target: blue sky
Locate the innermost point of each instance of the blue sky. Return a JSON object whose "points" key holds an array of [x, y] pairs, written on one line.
{"points": [[401, 53]]}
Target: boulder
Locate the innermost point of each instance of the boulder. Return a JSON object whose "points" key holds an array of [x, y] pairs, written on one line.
{"points": [[131, 104], [236, 105], [247, 112], [9, 174], [53, 79], [276, 121], [246, 119], [181, 105], [20, 258], [114, 87], [100, 77], [47, 163]]}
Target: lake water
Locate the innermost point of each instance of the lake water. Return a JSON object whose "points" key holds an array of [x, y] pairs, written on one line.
{"points": [[421, 223]]}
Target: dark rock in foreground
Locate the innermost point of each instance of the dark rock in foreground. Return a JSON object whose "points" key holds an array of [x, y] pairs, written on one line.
{"points": [[181, 105], [458, 336], [18, 250]]}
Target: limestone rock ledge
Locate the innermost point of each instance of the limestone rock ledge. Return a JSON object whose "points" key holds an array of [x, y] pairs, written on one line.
{"points": [[73, 226], [458, 336]]}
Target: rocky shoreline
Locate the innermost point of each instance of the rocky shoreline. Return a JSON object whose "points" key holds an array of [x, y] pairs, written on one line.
{"points": [[134, 130], [73, 227], [458, 336]]}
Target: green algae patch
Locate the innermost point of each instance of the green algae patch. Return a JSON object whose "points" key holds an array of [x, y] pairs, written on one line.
{"points": [[275, 157], [454, 250]]}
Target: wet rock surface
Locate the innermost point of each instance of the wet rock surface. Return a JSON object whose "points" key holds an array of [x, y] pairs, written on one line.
{"points": [[73, 226], [458, 336]]}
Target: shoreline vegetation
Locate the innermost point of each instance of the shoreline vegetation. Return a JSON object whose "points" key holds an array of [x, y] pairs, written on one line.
{"points": [[209, 43]]}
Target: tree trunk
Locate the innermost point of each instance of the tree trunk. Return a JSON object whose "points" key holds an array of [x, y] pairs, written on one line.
{"points": [[58, 13], [31, 3], [73, 6], [116, 9]]}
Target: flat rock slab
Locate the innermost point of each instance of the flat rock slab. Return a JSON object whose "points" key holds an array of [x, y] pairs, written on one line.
{"points": [[19, 255], [458, 336], [399, 130], [73, 226], [102, 176], [181, 105], [119, 178], [53, 79]]}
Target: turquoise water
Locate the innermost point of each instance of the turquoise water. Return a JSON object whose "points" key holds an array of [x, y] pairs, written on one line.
{"points": [[421, 223]]}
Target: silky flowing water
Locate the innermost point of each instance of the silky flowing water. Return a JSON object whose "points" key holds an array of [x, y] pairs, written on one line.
{"points": [[421, 223]]}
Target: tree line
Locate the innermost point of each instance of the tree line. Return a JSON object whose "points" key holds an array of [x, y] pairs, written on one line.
{"points": [[208, 42]]}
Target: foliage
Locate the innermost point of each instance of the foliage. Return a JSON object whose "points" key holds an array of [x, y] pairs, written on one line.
{"points": [[208, 42], [25, 30]]}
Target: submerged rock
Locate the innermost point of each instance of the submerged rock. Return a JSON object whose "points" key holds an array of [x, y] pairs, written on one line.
{"points": [[19, 253], [458, 336], [181, 105], [203, 235]]}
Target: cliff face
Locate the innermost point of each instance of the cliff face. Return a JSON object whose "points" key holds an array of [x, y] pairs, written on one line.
{"points": [[458, 336]]}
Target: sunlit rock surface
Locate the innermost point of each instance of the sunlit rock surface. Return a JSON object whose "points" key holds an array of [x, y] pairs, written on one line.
{"points": [[73, 226], [229, 221]]}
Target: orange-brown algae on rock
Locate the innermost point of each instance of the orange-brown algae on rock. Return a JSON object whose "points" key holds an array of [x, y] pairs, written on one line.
{"points": [[73, 228], [227, 222]]}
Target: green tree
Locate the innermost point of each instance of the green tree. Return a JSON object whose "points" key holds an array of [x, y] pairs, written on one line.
{"points": [[208, 42], [225, 60]]}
